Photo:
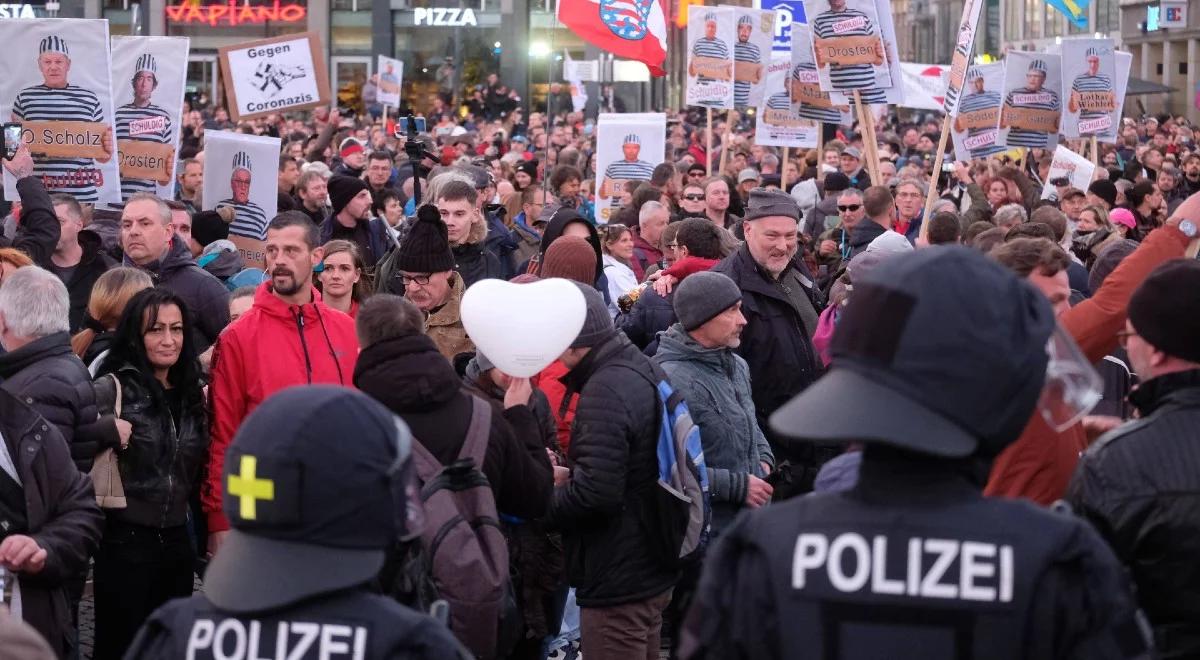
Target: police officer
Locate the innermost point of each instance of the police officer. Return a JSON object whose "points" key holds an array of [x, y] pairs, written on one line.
{"points": [[938, 361], [315, 490]]}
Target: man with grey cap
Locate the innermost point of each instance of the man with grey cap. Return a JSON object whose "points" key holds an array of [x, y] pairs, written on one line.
{"points": [[312, 521], [914, 557], [605, 508], [852, 168], [780, 306], [697, 353]]}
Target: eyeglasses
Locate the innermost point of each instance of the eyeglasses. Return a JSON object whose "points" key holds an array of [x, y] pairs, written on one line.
{"points": [[849, 207], [694, 198], [419, 280], [1123, 337], [673, 246]]}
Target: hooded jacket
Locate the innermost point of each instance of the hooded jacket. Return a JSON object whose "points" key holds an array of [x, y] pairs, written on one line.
{"points": [[715, 382], [206, 298], [62, 517], [47, 376], [645, 255], [410, 377], [92, 264], [474, 260], [444, 324], [272, 346], [527, 239], [554, 229], [866, 231]]}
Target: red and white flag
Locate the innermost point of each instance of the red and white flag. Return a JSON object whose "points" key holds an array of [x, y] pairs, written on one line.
{"points": [[630, 29]]}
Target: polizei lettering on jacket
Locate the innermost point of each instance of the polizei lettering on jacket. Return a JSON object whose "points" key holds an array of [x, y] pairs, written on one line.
{"points": [[234, 639], [949, 569]]}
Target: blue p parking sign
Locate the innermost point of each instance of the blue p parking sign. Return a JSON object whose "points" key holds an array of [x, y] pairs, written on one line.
{"points": [[787, 12]]}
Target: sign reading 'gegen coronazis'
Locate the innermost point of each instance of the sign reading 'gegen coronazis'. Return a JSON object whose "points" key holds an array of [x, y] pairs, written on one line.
{"points": [[274, 75]]}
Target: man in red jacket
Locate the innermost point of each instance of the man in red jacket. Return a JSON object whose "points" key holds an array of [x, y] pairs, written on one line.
{"points": [[289, 337], [1039, 464]]}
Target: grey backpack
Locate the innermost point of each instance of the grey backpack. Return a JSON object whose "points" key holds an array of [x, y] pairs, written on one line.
{"points": [[464, 548]]}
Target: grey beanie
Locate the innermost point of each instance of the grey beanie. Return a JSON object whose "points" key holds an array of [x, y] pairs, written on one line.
{"points": [[598, 324], [769, 203], [702, 296]]}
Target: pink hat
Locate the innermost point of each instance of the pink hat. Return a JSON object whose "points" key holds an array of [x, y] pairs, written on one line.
{"points": [[1120, 216]]}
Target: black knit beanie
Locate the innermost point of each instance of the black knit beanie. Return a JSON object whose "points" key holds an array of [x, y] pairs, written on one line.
{"points": [[1163, 309], [427, 247], [342, 189]]}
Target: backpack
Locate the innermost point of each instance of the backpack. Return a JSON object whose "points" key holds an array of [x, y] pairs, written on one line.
{"points": [[461, 556], [678, 511]]}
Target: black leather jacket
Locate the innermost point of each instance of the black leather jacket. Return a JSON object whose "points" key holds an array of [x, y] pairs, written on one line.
{"points": [[163, 461]]}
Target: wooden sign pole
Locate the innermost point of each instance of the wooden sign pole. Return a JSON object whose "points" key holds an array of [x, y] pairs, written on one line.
{"points": [[708, 146], [1095, 152], [783, 163], [725, 143], [931, 194], [867, 128]]}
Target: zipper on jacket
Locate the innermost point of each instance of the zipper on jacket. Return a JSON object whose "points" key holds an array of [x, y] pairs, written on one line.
{"points": [[171, 465], [299, 312]]}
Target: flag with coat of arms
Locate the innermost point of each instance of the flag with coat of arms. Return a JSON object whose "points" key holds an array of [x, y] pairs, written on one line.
{"points": [[631, 29]]}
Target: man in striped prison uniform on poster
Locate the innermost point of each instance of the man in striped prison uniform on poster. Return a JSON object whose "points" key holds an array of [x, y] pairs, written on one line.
{"points": [[744, 51], [630, 169], [142, 120], [249, 220], [962, 48], [975, 100], [808, 111], [710, 46], [1092, 81], [55, 99], [1033, 96], [841, 21]]}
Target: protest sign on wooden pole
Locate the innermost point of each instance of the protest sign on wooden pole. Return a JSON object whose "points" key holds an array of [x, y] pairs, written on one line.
{"points": [[931, 194], [725, 139], [1095, 151], [821, 155], [783, 170], [873, 147], [708, 146], [867, 128]]}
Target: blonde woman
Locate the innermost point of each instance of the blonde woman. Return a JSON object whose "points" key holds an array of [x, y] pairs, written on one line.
{"points": [[110, 295]]}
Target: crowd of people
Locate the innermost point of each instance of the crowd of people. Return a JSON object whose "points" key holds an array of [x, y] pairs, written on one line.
{"points": [[322, 445]]}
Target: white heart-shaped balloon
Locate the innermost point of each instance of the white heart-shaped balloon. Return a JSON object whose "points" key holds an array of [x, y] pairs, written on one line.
{"points": [[522, 328]]}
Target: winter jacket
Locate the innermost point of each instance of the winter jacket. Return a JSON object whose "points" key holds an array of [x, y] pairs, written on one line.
{"points": [[1039, 464], [475, 262], [498, 241], [38, 231], [1139, 485], [621, 280], [47, 376], [645, 255], [410, 377], [912, 230], [715, 382], [527, 239], [650, 315], [272, 346], [774, 342], [206, 298], [444, 324], [613, 469], [91, 266], [370, 236], [62, 517], [866, 231], [163, 461], [814, 220]]}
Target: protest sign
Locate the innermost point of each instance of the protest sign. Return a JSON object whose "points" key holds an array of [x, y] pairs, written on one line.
{"points": [[848, 45], [710, 34], [975, 125], [779, 123], [805, 88], [628, 147], [1068, 164], [924, 85], [240, 171], [148, 76], [964, 44], [391, 80], [751, 52], [280, 74], [1032, 110], [893, 92], [1122, 63], [56, 83], [1090, 89]]}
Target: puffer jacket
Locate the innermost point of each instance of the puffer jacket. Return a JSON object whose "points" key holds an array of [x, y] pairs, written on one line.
{"points": [[715, 382], [162, 463], [46, 375], [650, 315], [1138, 485], [205, 296], [61, 515], [614, 469]]}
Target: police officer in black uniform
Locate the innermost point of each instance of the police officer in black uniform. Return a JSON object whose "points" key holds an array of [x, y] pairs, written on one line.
{"points": [[315, 489], [938, 361]]}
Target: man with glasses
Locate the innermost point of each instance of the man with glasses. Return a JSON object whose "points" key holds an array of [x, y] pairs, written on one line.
{"points": [[691, 202], [910, 198], [833, 248], [249, 219], [696, 173], [425, 275]]}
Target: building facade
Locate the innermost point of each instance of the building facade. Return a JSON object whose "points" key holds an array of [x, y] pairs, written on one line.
{"points": [[1165, 56]]}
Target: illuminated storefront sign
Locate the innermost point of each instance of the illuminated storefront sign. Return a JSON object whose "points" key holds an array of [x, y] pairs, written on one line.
{"points": [[234, 13]]}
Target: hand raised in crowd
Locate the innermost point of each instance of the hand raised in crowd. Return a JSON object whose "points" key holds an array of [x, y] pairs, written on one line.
{"points": [[21, 165], [758, 492], [518, 393], [22, 554]]}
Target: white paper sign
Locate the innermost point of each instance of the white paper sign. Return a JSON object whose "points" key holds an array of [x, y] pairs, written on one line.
{"points": [[849, 46], [964, 44], [1089, 89], [1122, 63], [778, 122], [1032, 113], [710, 65], [975, 127], [924, 85], [751, 55], [55, 81], [284, 74], [628, 147], [811, 101], [391, 80], [241, 171], [893, 92], [1068, 164], [581, 70], [149, 75]]}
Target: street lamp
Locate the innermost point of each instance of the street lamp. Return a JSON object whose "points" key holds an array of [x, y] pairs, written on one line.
{"points": [[539, 49]]}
